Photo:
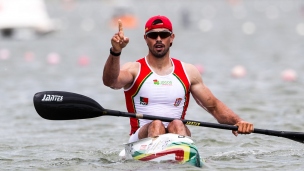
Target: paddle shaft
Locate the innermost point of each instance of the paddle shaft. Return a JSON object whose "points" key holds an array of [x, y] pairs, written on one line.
{"points": [[59, 105], [165, 119], [185, 121], [296, 136]]}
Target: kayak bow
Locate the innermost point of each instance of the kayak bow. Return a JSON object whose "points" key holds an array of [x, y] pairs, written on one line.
{"points": [[167, 147]]}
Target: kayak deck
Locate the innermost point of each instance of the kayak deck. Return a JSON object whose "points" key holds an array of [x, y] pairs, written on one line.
{"points": [[166, 147]]}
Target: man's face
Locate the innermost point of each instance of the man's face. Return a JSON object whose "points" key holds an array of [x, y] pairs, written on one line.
{"points": [[159, 41]]}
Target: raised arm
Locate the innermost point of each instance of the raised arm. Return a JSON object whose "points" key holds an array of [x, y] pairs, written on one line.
{"points": [[204, 97], [114, 76]]}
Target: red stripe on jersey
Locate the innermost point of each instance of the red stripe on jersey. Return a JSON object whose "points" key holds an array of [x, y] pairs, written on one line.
{"points": [[145, 72], [181, 75]]}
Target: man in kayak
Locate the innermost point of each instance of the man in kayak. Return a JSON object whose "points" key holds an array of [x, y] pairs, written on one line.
{"points": [[160, 85]]}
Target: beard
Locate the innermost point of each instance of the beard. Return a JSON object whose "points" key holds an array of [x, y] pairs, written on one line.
{"points": [[159, 54]]}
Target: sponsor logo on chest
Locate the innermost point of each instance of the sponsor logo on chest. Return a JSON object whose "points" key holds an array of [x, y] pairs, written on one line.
{"points": [[162, 83]]}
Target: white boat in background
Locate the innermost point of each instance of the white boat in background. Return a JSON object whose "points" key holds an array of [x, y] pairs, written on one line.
{"points": [[24, 15], [167, 147]]}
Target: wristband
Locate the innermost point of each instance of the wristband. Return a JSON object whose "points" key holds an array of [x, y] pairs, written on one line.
{"points": [[113, 53]]}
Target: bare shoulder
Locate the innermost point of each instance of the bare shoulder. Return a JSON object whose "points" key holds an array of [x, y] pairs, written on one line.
{"points": [[193, 73], [131, 67]]}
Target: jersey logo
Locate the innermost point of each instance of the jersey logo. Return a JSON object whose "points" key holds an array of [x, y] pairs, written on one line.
{"points": [[163, 83], [144, 101], [178, 101], [156, 82]]}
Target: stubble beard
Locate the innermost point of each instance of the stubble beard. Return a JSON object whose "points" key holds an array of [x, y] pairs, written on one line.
{"points": [[159, 54]]}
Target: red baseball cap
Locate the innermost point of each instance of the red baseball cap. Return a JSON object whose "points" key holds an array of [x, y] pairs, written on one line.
{"points": [[158, 21]]}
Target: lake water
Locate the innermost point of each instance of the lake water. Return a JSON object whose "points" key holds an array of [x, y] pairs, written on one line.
{"points": [[265, 37]]}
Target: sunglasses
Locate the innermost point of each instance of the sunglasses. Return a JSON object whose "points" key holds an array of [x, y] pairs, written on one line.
{"points": [[161, 34]]}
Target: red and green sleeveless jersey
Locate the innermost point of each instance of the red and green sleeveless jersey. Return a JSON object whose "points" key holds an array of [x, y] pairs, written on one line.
{"points": [[152, 94]]}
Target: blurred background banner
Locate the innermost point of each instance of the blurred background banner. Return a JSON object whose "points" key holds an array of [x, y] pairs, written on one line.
{"points": [[19, 14], [249, 52]]}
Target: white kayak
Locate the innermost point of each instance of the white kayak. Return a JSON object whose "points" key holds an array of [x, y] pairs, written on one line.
{"points": [[166, 147]]}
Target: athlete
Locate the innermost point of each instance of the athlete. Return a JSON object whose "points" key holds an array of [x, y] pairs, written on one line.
{"points": [[160, 85]]}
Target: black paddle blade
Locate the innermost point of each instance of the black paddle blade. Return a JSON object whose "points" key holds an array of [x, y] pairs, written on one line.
{"points": [[60, 105], [296, 136]]}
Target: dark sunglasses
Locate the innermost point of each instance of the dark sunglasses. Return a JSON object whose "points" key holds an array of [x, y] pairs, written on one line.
{"points": [[161, 34]]}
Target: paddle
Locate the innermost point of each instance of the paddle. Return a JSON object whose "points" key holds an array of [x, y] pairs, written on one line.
{"points": [[59, 105]]}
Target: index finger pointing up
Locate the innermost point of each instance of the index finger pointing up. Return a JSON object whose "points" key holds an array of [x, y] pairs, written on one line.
{"points": [[120, 26]]}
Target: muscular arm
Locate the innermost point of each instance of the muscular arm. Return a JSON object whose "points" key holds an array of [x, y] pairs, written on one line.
{"points": [[116, 77], [214, 106], [204, 97], [209, 102]]}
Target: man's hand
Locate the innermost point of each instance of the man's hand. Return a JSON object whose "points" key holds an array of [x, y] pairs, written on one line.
{"points": [[119, 41], [243, 128]]}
